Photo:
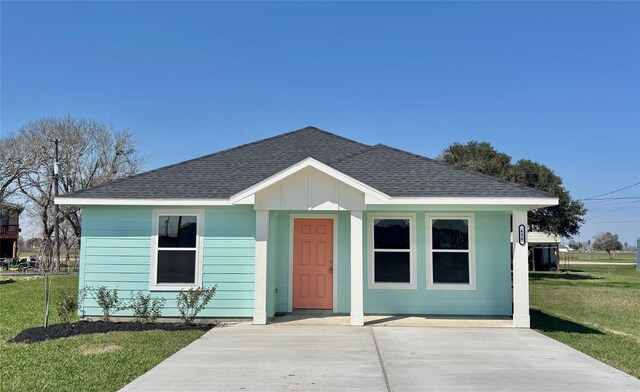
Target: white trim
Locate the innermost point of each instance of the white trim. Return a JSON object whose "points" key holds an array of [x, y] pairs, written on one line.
{"points": [[81, 201], [470, 217], [530, 202], [520, 267], [303, 164], [334, 217], [371, 284], [199, 214], [356, 311], [261, 268]]}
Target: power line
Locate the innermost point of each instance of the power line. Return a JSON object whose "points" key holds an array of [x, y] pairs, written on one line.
{"points": [[608, 193], [617, 209], [613, 198]]}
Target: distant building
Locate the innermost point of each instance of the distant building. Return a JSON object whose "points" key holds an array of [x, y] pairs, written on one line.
{"points": [[9, 230], [544, 251]]}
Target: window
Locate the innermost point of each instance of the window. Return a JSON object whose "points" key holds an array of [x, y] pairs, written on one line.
{"points": [[177, 250], [451, 252], [392, 251]]}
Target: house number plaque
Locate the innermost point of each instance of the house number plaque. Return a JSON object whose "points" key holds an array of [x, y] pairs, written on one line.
{"points": [[522, 235]]}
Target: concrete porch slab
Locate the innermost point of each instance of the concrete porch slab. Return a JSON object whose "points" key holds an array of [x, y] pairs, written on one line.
{"points": [[330, 319]]}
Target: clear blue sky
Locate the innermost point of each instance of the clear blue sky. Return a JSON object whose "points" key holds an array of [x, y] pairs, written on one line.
{"points": [[558, 83]]}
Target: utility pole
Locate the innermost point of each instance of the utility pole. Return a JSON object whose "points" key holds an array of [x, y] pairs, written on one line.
{"points": [[56, 171]]}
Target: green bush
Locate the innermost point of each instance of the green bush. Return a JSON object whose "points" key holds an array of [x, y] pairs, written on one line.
{"points": [[192, 301], [66, 305], [107, 299], [145, 308]]}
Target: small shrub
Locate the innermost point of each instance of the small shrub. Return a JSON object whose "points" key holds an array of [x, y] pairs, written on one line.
{"points": [[107, 299], [145, 308], [66, 305], [192, 301]]}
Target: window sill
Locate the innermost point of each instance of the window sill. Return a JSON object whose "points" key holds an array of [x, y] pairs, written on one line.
{"points": [[392, 286], [172, 287], [452, 286]]}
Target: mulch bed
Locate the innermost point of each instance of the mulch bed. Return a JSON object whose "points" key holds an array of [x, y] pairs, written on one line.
{"points": [[57, 331]]}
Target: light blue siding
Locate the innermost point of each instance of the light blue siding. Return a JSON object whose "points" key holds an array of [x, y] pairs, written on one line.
{"points": [[493, 276], [116, 252]]}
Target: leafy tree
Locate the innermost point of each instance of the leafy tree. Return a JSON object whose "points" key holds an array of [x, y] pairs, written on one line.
{"points": [[626, 245], [607, 242], [575, 245], [477, 156], [564, 219]]}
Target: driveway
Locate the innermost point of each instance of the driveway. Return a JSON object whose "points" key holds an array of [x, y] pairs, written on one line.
{"points": [[334, 358]]}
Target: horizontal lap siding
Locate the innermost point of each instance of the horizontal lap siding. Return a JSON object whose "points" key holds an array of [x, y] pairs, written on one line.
{"points": [[493, 276], [116, 252]]}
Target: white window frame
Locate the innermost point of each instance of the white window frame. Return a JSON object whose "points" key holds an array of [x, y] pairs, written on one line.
{"points": [[371, 284], [470, 217], [153, 285]]}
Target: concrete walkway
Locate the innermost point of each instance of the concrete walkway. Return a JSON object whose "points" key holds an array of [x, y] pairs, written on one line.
{"points": [[336, 358]]}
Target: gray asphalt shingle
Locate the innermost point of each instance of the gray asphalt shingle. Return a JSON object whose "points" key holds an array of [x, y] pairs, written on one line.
{"points": [[225, 173]]}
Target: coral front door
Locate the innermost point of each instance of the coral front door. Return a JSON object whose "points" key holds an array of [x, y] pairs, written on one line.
{"points": [[313, 264]]}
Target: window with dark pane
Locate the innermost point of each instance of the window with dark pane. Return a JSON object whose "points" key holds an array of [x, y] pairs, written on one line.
{"points": [[391, 234], [391, 250], [450, 267], [177, 231], [392, 267], [450, 234], [177, 242], [176, 266]]}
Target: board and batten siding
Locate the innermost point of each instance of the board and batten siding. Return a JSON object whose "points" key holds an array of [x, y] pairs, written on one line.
{"points": [[116, 253]]}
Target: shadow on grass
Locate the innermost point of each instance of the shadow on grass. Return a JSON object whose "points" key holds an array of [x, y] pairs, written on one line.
{"points": [[547, 323], [7, 281], [571, 275]]}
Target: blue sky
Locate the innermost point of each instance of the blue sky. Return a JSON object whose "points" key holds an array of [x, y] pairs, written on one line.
{"points": [[558, 83]]}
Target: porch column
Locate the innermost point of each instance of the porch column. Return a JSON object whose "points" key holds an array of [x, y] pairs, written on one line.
{"points": [[15, 249], [520, 271], [260, 277], [357, 289]]}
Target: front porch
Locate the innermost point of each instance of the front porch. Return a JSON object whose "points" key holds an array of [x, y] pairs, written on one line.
{"points": [[337, 319], [500, 298]]}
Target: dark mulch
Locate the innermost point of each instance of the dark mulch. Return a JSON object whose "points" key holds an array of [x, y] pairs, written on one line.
{"points": [[57, 331]]}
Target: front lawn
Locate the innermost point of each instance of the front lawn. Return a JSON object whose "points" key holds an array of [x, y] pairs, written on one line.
{"points": [[99, 362], [595, 309], [620, 257]]}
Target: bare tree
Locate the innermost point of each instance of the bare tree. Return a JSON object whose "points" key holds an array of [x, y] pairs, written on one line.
{"points": [[91, 154], [17, 160]]}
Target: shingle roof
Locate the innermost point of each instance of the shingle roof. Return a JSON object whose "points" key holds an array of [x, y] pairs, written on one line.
{"points": [[225, 173]]}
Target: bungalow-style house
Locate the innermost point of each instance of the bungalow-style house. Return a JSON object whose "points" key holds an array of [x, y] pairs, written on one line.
{"points": [[311, 220]]}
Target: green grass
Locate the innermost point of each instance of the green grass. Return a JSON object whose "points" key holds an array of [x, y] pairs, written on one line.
{"points": [[601, 256], [595, 309], [76, 363]]}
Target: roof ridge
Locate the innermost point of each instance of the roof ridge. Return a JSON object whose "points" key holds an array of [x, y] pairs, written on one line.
{"points": [[466, 170], [148, 172]]}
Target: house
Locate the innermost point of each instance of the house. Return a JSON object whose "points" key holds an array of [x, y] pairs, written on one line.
{"points": [[312, 220], [9, 230]]}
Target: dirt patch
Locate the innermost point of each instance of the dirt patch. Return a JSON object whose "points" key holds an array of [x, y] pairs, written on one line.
{"points": [[57, 331], [96, 350]]}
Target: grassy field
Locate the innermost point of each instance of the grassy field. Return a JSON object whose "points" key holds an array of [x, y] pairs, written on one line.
{"points": [[595, 309], [100, 362], [601, 256]]}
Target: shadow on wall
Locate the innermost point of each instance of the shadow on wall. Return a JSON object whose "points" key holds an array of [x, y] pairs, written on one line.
{"points": [[548, 323]]}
